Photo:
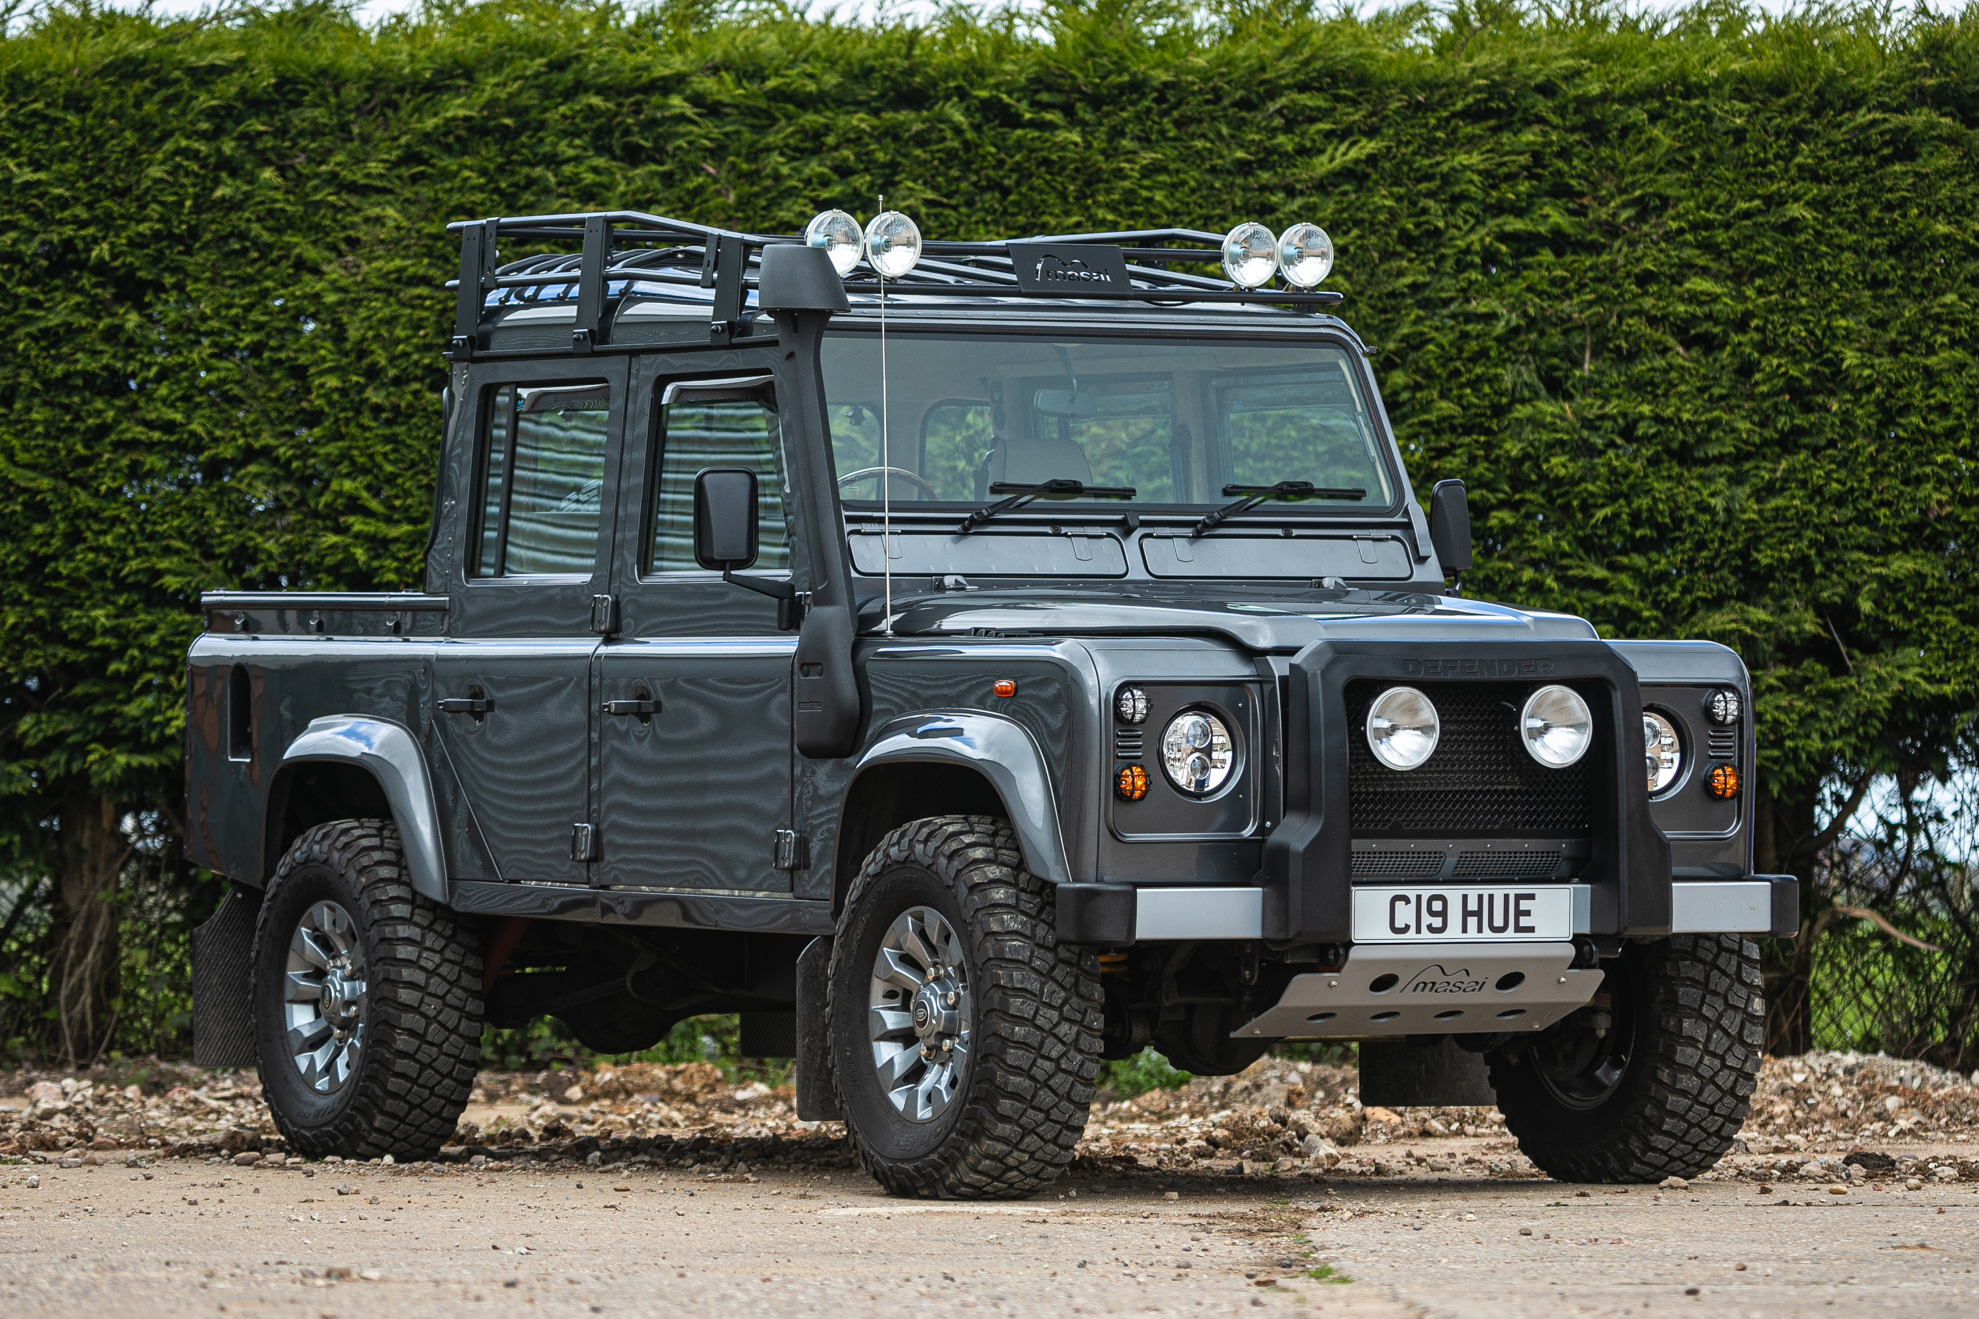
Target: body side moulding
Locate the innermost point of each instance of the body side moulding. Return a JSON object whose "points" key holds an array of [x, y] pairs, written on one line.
{"points": [[392, 756]]}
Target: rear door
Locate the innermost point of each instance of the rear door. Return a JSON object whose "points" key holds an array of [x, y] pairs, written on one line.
{"points": [[516, 708], [695, 739]]}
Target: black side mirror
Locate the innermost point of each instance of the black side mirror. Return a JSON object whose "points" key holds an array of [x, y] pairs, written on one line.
{"points": [[1450, 526], [725, 518]]}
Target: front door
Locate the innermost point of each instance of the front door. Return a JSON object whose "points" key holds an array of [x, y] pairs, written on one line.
{"points": [[694, 748], [514, 689]]}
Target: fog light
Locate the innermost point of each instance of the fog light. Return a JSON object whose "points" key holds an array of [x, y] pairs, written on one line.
{"points": [[1305, 255], [1131, 783], [893, 244], [1722, 783], [1402, 728], [1723, 706], [1131, 705], [1556, 725]]}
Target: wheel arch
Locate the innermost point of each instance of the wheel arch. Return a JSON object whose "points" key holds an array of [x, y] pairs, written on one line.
{"points": [[948, 763], [356, 767]]}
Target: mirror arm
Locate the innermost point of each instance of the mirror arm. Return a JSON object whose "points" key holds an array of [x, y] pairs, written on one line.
{"points": [[774, 590]]}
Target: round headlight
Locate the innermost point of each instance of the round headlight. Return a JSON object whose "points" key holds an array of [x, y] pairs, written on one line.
{"points": [[893, 244], [1305, 254], [837, 233], [1402, 728], [1250, 255], [1664, 754], [1195, 752], [1556, 725]]}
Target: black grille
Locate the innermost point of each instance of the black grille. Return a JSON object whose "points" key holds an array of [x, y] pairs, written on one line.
{"points": [[1479, 783], [1128, 743], [1506, 865], [1397, 863]]}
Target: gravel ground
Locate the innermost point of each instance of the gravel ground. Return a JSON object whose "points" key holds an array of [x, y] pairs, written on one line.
{"points": [[154, 1190]]}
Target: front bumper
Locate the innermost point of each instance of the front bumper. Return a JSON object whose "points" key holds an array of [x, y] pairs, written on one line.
{"points": [[1119, 914]]}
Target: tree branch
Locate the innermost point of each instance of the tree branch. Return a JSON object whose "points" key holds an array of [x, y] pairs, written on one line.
{"points": [[1840, 822], [1882, 923]]}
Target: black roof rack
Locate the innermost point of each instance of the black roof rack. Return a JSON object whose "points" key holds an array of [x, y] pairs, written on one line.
{"points": [[618, 250]]}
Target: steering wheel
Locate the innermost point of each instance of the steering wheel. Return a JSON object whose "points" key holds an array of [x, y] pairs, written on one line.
{"points": [[865, 473]]}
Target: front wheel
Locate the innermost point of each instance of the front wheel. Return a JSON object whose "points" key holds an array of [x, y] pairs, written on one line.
{"points": [[964, 1040], [367, 1000], [1651, 1080]]}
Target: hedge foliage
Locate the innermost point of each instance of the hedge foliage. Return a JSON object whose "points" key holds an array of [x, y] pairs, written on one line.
{"points": [[1690, 302]]}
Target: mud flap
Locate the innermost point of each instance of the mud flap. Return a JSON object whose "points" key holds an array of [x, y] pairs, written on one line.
{"points": [[816, 1101], [222, 1001], [1401, 1075]]}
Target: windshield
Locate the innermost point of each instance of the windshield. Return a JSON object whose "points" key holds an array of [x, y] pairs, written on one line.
{"points": [[1176, 420]]}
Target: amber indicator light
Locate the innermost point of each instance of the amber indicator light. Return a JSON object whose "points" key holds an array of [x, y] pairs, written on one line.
{"points": [[1722, 782], [1131, 783], [1005, 687]]}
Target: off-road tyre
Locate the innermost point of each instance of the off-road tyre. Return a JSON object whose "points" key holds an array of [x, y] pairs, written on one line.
{"points": [[1026, 1090], [1696, 1029], [423, 1004]]}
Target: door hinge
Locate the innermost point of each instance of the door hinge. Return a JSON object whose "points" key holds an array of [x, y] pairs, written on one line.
{"points": [[583, 842], [604, 614], [793, 850]]}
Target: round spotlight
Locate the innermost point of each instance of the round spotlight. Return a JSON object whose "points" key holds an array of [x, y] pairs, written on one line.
{"points": [[1664, 754], [1131, 705], [1402, 728], [1250, 255], [1305, 254], [1724, 706], [837, 233], [1556, 725], [1196, 752], [893, 244]]}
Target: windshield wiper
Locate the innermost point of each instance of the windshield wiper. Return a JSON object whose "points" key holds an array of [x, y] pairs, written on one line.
{"points": [[1258, 494], [1057, 488]]}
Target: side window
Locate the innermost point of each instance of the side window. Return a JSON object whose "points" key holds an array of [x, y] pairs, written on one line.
{"points": [[542, 478], [696, 434]]}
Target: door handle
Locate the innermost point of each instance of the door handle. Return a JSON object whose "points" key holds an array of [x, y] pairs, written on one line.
{"points": [[466, 704], [641, 706]]}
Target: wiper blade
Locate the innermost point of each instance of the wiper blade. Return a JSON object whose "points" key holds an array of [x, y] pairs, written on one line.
{"points": [[1058, 488], [1253, 495]]}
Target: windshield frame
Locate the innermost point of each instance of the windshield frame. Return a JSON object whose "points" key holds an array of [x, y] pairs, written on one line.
{"points": [[1331, 335]]}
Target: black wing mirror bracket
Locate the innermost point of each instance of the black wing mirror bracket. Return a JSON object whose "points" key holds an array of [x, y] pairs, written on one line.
{"points": [[1450, 530], [726, 532]]}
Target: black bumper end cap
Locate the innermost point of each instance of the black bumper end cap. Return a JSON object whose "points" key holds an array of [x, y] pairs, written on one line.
{"points": [[1095, 913], [1786, 905]]}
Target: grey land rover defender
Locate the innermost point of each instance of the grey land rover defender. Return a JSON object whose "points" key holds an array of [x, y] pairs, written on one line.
{"points": [[968, 662]]}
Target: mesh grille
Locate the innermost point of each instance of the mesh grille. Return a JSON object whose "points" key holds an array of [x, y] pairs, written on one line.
{"points": [[1397, 863], [1480, 781], [1518, 865]]}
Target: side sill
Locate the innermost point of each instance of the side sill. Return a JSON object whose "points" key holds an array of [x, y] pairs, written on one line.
{"points": [[563, 902]]}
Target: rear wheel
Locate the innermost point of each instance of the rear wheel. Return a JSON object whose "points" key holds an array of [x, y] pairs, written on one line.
{"points": [[964, 1040], [367, 1000], [1654, 1078]]}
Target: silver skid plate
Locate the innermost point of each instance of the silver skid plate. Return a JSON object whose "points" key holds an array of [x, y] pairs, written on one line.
{"points": [[1431, 989]]}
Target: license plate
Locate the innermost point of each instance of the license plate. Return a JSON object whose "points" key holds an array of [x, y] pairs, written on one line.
{"points": [[1464, 913]]}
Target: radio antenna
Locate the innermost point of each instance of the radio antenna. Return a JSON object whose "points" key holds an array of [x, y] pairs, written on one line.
{"points": [[886, 455]]}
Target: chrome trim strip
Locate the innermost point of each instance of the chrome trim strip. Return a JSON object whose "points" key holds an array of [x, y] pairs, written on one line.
{"points": [[1741, 906], [1198, 913]]}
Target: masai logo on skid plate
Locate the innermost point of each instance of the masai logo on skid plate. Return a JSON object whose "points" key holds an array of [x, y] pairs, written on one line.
{"points": [[1477, 668], [1438, 979]]}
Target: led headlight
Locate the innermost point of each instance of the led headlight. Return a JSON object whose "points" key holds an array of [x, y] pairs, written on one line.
{"points": [[837, 233], [1131, 705], [1664, 754], [1250, 255], [1196, 752], [1556, 725], [893, 244], [1305, 254], [1402, 728], [1723, 706]]}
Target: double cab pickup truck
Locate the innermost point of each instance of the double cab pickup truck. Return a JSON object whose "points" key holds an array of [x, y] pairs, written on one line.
{"points": [[969, 662]]}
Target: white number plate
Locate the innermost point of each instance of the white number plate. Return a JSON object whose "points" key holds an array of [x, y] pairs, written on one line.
{"points": [[1466, 913]]}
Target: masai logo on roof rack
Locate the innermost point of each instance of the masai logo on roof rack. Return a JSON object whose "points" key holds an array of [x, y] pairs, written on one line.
{"points": [[1069, 267]]}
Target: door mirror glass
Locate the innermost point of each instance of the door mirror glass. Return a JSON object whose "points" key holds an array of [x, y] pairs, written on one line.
{"points": [[725, 520]]}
